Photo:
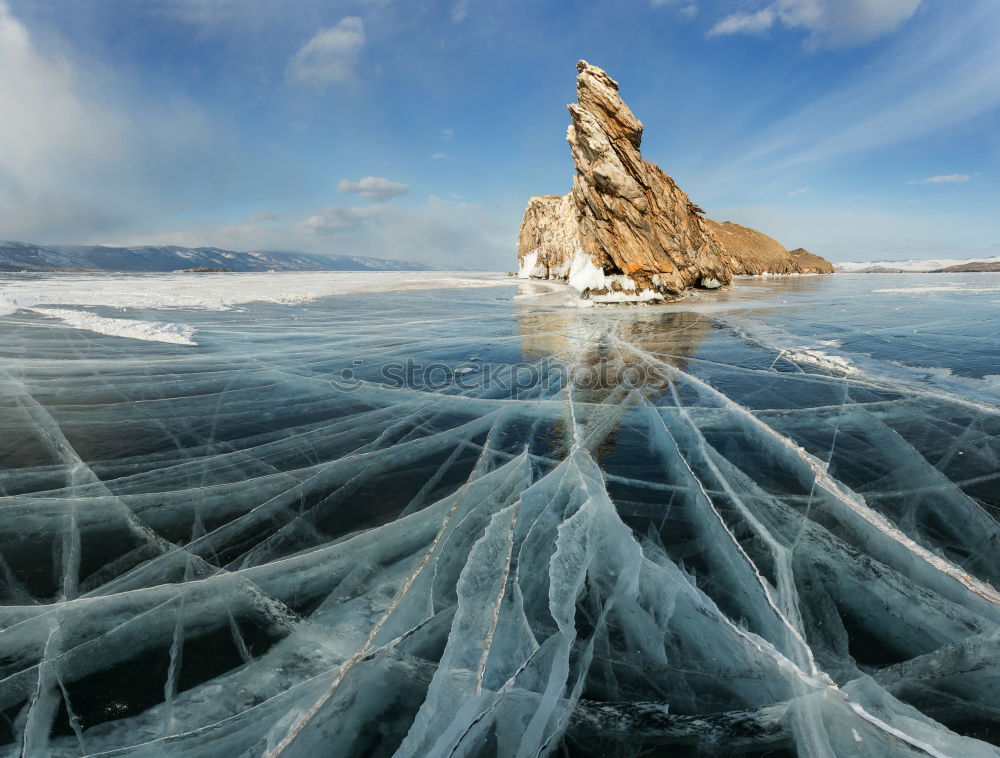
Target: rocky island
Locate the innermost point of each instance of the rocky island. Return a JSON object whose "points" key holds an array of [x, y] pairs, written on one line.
{"points": [[626, 232]]}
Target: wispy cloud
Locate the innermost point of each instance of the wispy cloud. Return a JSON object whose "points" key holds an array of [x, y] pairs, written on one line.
{"points": [[331, 55], [336, 219], [259, 216], [54, 130], [460, 11], [438, 156], [76, 153], [442, 232], [939, 75], [829, 23], [798, 191], [373, 188], [686, 10], [198, 12], [866, 233], [744, 23], [944, 179]]}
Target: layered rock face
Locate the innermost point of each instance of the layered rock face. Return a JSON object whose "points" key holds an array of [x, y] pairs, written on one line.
{"points": [[625, 232]]}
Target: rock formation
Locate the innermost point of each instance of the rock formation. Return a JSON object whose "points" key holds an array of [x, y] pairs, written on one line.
{"points": [[755, 253], [626, 232]]}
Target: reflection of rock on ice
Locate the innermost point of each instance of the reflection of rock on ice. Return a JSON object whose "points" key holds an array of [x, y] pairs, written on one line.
{"points": [[592, 339], [600, 358]]}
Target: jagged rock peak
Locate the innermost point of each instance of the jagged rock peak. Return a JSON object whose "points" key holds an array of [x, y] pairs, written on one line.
{"points": [[597, 93], [625, 232]]}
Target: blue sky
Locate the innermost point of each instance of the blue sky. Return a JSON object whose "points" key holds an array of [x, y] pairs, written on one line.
{"points": [[859, 129]]}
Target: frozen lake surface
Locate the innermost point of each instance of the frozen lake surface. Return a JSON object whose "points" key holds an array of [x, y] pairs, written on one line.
{"points": [[436, 514]]}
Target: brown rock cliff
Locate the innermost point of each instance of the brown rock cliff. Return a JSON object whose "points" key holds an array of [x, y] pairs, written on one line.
{"points": [[755, 253], [626, 231]]}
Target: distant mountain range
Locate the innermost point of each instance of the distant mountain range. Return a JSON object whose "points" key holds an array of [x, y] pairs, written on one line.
{"points": [[921, 266], [24, 256]]}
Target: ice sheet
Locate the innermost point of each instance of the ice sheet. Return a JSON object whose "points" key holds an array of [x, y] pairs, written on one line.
{"points": [[476, 522]]}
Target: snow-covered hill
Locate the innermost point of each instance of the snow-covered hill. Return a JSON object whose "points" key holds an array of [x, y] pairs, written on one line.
{"points": [[916, 266]]}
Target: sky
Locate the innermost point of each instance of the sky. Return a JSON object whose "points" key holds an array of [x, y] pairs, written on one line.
{"points": [[418, 129]]}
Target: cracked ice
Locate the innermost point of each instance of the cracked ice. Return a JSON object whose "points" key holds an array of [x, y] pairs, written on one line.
{"points": [[229, 550]]}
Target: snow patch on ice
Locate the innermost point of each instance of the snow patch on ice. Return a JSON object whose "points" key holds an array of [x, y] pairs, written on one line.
{"points": [[151, 331], [835, 363], [10, 305], [941, 372]]}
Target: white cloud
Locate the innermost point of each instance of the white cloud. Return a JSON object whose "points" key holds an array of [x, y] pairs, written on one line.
{"points": [[945, 179], [686, 11], [830, 23], [331, 55], [744, 23], [447, 133], [373, 188], [336, 219], [798, 191], [438, 156]]}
